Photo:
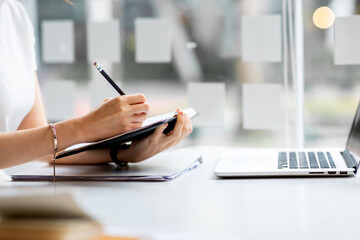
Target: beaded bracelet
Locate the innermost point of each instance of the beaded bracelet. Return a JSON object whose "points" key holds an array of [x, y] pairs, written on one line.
{"points": [[53, 129]]}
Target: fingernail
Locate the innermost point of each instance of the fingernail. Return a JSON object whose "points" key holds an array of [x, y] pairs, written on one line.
{"points": [[182, 113]]}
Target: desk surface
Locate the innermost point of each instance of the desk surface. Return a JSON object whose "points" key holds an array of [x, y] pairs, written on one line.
{"points": [[199, 204]]}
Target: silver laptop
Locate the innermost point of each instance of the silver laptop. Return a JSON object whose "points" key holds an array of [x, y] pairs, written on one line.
{"points": [[294, 162]]}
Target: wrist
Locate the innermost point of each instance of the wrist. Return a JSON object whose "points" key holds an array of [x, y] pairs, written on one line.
{"points": [[81, 133], [69, 133], [123, 153]]}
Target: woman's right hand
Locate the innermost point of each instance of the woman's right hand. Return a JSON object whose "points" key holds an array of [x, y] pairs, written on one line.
{"points": [[114, 116]]}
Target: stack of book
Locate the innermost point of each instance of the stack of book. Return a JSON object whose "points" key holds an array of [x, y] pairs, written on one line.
{"points": [[40, 217]]}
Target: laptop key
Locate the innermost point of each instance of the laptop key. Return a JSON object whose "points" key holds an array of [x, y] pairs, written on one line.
{"points": [[331, 161], [312, 160], [293, 160], [322, 160], [282, 160], [302, 160]]}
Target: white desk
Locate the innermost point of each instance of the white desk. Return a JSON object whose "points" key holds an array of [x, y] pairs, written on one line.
{"points": [[198, 203]]}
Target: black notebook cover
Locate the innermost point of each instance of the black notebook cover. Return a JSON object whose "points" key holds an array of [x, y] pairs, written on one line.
{"points": [[149, 127]]}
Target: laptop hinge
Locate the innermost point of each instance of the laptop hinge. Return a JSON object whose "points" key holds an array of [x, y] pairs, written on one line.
{"points": [[350, 160]]}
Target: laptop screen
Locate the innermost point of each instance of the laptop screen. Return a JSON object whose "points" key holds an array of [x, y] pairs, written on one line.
{"points": [[353, 144]]}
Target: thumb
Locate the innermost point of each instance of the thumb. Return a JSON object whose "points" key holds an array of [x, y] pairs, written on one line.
{"points": [[160, 129]]}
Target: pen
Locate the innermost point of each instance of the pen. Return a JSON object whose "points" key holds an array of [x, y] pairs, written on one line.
{"points": [[99, 68]]}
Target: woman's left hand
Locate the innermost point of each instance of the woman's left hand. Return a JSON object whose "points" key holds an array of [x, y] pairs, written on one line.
{"points": [[147, 147]]}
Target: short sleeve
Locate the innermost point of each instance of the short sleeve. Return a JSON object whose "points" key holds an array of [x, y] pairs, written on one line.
{"points": [[31, 40], [31, 36], [28, 36]]}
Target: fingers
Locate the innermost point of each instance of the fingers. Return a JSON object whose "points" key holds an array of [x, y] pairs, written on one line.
{"points": [[140, 108], [139, 117], [107, 99], [135, 125], [159, 130], [133, 104], [158, 134], [151, 145], [134, 99], [177, 131], [187, 129]]}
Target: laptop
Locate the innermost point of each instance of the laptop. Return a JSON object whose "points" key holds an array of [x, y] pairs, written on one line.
{"points": [[294, 162]]}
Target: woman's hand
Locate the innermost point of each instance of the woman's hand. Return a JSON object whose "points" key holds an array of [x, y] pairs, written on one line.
{"points": [[114, 116], [149, 146]]}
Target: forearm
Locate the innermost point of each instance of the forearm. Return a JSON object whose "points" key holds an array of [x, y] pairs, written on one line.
{"points": [[97, 156], [26, 145]]}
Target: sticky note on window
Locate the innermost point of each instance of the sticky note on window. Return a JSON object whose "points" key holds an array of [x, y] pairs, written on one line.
{"points": [[347, 38], [100, 91], [261, 38], [58, 41], [152, 40], [103, 41], [208, 99], [59, 99], [262, 106]]}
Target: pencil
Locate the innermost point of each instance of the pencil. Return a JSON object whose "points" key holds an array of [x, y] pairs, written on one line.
{"points": [[99, 68]]}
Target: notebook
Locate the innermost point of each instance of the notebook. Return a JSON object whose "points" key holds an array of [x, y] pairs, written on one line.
{"points": [[148, 127], [161, 168]]}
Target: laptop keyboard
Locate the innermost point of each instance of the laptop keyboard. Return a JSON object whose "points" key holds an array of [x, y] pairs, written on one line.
{"points": [[305, 160]]}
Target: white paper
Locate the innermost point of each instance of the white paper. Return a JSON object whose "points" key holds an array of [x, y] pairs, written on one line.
{"points": [[208, 99], [59, 99], [4, 177], [261, 38], [58, 41], [347, 38], [262, 108], [103, 41], [153, 40]]}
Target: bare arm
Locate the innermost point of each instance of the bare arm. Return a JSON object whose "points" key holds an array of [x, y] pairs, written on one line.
{"points": [[37, 118], [26, 145], [33, 140]]}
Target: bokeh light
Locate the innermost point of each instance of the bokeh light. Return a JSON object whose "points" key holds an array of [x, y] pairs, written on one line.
{"points": [[323, 17]]}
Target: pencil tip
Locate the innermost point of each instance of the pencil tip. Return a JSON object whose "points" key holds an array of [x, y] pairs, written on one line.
{"points": [[95, 64]]}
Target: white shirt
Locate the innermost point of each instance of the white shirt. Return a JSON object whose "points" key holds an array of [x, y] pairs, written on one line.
{"points": [[17, 65]]}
